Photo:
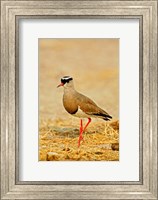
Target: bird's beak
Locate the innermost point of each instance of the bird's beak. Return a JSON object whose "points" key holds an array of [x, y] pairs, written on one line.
{"points": [[61, 84]]}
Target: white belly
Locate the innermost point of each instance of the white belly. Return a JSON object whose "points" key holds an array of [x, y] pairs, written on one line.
{"points": [[81, 114]]}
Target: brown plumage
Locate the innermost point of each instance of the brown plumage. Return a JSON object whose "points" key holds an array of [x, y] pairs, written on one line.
{"points": [[80, 101], [79, 105]]}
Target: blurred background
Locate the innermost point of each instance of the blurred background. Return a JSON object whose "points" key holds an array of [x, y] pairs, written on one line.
{"points": [[94, 65]]}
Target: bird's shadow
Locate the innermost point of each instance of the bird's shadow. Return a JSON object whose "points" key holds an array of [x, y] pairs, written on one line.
{"points": [[63, 132]]}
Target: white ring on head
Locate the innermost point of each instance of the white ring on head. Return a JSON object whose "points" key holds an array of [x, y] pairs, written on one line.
{"points": [[67, 78]]}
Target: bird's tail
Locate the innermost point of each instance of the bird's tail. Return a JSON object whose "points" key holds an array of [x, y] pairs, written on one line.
{"points": [[106, 116]]}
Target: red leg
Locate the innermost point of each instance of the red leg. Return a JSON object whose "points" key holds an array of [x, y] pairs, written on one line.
{"points": [[89, 120], [81, 126], [82, 130]]}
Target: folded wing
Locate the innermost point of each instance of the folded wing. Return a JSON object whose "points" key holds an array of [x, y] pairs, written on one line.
{"points": [[90, 108]]}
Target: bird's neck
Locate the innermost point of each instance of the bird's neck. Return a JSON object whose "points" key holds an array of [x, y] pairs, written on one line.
{"points": [[69, 89]]}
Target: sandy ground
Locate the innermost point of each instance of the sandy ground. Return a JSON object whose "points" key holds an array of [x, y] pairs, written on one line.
{"points": [[94, 65], [59, 141]]}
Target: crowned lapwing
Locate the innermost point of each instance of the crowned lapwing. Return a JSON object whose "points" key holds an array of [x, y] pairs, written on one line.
{"points": [[79, 105]]}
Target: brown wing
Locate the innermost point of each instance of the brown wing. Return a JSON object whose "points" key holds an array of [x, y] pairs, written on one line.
{"points": [[89, 107]]}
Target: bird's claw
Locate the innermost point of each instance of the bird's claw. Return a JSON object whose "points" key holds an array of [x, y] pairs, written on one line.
{"points": [[79, 140]]}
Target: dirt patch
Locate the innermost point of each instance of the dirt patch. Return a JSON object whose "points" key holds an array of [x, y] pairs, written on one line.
{"points": [[59, 142]]}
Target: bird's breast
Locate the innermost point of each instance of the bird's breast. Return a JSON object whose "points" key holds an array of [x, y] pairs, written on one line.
{"points": [[70, 104]]}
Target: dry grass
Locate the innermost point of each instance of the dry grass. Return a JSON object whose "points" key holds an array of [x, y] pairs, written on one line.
{"points": [[58, 141]]}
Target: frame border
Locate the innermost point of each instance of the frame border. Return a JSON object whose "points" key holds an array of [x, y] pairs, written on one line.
{"points": [[18, 18], [146, 12]]}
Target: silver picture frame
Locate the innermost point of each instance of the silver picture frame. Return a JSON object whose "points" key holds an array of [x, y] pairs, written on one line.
{"points": [[11, 12]]}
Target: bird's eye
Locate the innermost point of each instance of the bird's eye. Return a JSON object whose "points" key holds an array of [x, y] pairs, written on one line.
{"points": [[66, 79]]}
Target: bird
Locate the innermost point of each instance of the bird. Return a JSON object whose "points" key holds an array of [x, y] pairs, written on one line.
{"points": [[80, 105]]}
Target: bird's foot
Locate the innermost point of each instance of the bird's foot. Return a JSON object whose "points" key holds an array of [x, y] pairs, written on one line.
{"points": [[79, 140]]}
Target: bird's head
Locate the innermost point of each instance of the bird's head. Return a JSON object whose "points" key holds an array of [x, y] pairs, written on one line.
{"points": [[66, 81]]}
